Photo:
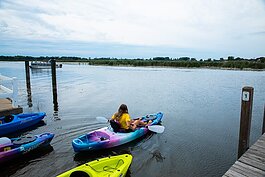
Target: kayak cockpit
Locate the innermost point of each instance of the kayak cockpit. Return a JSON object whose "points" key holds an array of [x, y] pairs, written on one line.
{"points": [[96, 136], [91, 141], [93, 137], [6, 119]]}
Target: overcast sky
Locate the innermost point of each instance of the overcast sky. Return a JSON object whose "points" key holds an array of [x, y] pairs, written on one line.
{"points": [[133, 28]]}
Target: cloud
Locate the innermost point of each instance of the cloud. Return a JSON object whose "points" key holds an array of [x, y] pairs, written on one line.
{"points": [[206, 25], [259, 33]]}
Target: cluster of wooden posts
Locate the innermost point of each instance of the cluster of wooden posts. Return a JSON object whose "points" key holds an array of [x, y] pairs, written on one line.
{"points": [[54, 84]]}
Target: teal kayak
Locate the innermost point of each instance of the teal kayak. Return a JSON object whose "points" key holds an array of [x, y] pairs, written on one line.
{"points": [[106, 138]]}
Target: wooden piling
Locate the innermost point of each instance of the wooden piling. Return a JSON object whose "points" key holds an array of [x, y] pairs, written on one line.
{"points": [[245, 119], [54, 85], [27, 74], [28, 83], [263, 128]]}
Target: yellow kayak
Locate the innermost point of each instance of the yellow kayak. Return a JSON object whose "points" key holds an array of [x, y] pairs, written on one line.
{"points": [[109, 166]]}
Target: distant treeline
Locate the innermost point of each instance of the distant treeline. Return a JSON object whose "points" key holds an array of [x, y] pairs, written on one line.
{"points": [[230, 62]]}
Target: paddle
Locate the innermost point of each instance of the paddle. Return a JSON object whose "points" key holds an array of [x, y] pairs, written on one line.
{"points": [[102, 119], [156, 128], [153, 128]]}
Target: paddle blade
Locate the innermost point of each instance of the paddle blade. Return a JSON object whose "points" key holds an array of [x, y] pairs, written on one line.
{"points": [[102, 119], [156, 128]]}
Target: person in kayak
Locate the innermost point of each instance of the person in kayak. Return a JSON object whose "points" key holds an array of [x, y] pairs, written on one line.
{"points": [[121, 121]]}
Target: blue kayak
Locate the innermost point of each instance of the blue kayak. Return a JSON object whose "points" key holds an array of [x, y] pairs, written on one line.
{"points": [[14, 123]]}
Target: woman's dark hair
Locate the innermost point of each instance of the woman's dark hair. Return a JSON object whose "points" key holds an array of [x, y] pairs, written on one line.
{"points": [[122, 109]]}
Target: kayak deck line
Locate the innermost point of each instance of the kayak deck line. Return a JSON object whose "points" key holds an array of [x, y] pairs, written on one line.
{"points": [[107, 168]]}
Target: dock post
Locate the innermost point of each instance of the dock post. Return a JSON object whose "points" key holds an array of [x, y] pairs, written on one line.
{"points": [[263, 128], [245, 120], [54, 85], [28, 83]]}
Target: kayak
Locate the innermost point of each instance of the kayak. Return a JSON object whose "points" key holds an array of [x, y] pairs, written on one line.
{"points": [[113, 166], [106, 138], [11, 148], [14, 123]]}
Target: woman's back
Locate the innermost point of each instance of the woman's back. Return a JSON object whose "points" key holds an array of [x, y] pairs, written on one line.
{"points": [[123, 119]]}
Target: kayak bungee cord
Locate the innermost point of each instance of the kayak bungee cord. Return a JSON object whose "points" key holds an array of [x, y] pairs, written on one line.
{"points": [[109, 169]]}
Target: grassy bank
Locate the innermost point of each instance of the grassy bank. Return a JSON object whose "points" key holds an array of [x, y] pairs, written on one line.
{"points": [[183, 62]]}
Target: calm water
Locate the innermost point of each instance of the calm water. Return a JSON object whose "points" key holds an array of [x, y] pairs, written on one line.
{"points": [[201, 115]]}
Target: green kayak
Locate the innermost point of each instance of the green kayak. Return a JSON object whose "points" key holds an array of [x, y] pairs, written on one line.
{"points": [[113, 166]]}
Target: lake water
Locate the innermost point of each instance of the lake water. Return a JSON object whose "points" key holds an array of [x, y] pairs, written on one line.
{"points": [[201, 114]]}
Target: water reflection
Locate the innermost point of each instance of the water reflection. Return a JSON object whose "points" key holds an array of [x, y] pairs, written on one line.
{"points": [[46, 72], [29, 97], [40, 71], [55, 103], [158, 156], [56, 115], [24, 160]]}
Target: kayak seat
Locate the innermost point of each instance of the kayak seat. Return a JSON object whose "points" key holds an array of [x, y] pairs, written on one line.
{"points": [[102, 138], [5, 144], [5, 140], [79, 174], [101, 135], [115, 125], [24, 140]]}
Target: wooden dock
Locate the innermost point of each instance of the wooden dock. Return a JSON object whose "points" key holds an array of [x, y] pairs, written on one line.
{"points": [[8, 96], [251, 163], [6, 107]]}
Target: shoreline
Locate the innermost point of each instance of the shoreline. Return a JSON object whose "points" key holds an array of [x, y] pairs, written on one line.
{"points": [[157, 66], [212, 68]]}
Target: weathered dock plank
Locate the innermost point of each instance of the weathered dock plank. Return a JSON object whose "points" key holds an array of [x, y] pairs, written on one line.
{"points": [[253, 160], [6, 107], [234, 174], [251, 163]]}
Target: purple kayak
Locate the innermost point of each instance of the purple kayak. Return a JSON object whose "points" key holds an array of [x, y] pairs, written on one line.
{"points": [[106, 138], [11, 148]]}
